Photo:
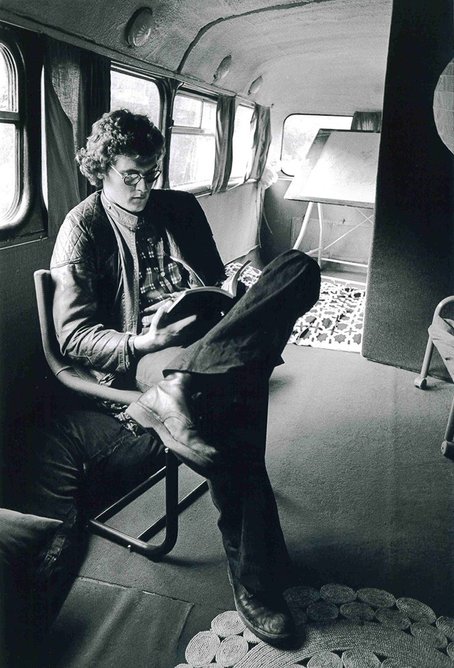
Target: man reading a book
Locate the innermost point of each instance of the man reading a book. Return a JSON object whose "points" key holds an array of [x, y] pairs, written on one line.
{"points": [[120, 258]]}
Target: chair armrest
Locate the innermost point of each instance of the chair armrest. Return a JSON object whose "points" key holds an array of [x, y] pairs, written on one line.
{"points": [[441, 305], [59, 366], [69, 377]]}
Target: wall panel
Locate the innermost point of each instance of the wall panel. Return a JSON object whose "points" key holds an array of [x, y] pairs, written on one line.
{"points": [[411, 266], [233, 218]]}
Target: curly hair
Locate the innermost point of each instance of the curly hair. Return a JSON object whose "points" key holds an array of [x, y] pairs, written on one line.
{"points": [[117, 133]]}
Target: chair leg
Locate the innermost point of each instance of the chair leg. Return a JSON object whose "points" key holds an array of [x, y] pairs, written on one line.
{"points": [[169, 520], [447, 447], [421, 381]]}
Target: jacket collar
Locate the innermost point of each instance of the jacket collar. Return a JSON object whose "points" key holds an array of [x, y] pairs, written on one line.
{"points": [[118, 215]]}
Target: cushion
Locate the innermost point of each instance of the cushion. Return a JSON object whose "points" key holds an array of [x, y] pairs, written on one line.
{"points": [[26, 610], [442, 333], [23, 536]]}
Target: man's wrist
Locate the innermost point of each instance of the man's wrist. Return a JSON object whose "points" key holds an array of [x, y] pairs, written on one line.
{"points": [[137, 350], [135, 354]]}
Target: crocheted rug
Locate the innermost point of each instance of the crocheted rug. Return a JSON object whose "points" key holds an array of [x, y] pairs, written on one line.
{"points": [[337, 627], [336, 321]]}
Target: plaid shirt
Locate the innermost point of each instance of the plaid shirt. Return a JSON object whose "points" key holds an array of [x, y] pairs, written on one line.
{"points": [[159, 274]]}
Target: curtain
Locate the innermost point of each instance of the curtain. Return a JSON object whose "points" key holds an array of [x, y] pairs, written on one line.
{"points": [[367, 120], [262, 140], [76, 93], [225, 117], [169, 90]]}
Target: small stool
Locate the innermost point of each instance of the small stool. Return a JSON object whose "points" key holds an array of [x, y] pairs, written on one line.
{"points": [[441, 337]]}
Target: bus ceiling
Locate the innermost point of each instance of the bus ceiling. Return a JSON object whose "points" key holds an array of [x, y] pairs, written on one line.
{"points": [[311, 56]]}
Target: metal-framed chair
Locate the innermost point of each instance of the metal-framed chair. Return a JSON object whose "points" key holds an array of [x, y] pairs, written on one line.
{"points": [[441, 337], [68, 376]]}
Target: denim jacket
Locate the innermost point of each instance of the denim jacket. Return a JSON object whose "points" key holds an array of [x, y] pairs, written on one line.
{"points": [[95, 271]]}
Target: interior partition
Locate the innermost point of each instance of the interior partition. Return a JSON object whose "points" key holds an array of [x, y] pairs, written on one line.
{"points": [[233, 217], [411, 266]]}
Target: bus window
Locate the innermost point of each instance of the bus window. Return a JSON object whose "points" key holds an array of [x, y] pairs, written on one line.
{"points": [[20, 136], [243, 135], [300, 131], [11, 163], [135, 92], [192, 149]]}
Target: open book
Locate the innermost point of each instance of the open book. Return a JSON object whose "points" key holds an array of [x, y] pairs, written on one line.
{"points": [[209, 301]]}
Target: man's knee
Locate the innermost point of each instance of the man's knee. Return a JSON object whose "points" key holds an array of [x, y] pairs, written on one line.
{"points": [[296, 261], [294, 265], [301, 260], [149, 367]]}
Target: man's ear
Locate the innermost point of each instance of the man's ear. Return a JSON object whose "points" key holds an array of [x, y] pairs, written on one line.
{"points": [[100, 176]]}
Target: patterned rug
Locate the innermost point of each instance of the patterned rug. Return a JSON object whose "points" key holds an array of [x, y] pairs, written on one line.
{"points": [[336, 321], [248, 276], [338, 627]]}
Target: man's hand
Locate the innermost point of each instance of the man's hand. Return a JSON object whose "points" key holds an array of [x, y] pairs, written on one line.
{"points": [[159, 335]]}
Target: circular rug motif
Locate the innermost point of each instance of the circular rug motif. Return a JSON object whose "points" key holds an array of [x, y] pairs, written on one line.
{"points": [[337, 627]]}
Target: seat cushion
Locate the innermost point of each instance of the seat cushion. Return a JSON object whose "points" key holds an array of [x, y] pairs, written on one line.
{"points": [[442, 333], [23, 538]]}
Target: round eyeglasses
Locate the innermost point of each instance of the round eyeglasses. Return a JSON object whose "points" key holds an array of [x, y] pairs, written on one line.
{"points": [[133, 178]]}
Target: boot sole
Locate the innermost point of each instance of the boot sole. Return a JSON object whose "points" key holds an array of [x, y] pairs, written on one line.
{"points": [[270, 638], [149, 420]]}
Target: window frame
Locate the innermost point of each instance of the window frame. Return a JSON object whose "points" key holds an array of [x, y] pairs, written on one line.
{"points": [[22, 199], [14, 118], [198, 187], [26, 220], [116, 66], [322, 127]]}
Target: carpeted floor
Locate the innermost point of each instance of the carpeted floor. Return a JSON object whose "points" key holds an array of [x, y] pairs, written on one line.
{"points": [[366, 501], [102, 625]]}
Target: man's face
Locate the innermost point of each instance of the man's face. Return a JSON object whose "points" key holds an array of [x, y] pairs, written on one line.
{"points": [[133, 197]]}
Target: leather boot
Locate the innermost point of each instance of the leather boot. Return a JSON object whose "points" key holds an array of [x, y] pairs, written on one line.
{"points": [[164, 408], [267, 615]]}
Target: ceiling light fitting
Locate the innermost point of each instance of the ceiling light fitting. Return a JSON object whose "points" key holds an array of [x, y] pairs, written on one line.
{"points": [[140, 25], [255, 86], [223, 69]]}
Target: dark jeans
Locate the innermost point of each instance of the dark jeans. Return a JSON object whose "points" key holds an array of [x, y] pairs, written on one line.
{"points": [[77, 464], [87, 456], [232, 364]]}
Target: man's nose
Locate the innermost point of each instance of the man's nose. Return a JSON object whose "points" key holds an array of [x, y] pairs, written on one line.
{"points": [[142, 184]]}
